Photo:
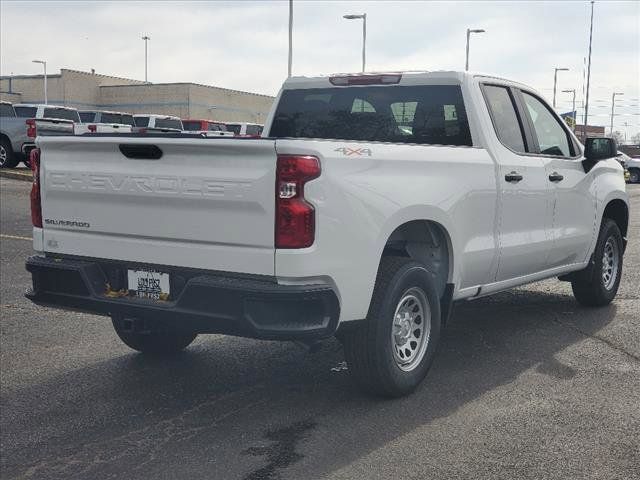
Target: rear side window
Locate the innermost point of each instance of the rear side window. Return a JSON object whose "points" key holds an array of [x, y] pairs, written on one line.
{"points": [[26, 112], [86, 117], [6, 110], [168, 123], [235, 128], [141, 121], [426, 114], [503, 115], [61, 113]]}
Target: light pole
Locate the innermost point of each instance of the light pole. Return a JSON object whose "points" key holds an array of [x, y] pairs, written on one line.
{"points": [[555, 82], [613, 104], [146, 39], [469, 32], [573, 109], [44, 64], [364, 34], [290, 36], [586, 103]]}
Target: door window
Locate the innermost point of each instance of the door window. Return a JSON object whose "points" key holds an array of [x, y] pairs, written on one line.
{"points": [[504, 117], [552, 138]]}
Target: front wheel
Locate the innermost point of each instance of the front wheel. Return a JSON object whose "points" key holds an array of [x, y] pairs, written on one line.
{"points": [[598, 284], [390, 354], [7, 157], [151, 342], [634, 175]]}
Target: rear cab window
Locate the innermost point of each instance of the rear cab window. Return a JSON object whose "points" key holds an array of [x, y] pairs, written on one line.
{"points": [[254, 129], [168, 123], [127, 119], [87, 117], [111, 118], [26, 112], [422, 114], [192, 125], [62, 114], [234, 127], [141, 121]]}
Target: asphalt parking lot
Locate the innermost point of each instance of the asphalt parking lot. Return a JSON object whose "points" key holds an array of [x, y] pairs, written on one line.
{"points": [[527, 384]]}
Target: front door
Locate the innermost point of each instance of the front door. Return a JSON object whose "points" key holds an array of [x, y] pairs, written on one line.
{"points": [[574, 212]]}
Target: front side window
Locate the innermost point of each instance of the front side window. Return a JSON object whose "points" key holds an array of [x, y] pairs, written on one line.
{"points": [[424, 114], [6, 110], [504, 117], [552, 138]]}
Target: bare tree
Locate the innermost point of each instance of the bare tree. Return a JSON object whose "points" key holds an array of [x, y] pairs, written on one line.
{"points": [[635, 139], [618, 137]]}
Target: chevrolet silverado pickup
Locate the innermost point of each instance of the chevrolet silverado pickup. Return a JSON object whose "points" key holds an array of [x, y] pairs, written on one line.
{"points": [[371, 204]]}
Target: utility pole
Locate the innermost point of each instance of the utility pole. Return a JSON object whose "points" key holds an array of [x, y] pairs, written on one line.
{"points": [[290, 37], [146, 39], [613, 105], [586, 104], [555, 82], [573, 111]]}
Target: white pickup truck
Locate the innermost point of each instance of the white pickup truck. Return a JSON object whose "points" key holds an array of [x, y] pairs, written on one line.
{"points": [[370, 205]]}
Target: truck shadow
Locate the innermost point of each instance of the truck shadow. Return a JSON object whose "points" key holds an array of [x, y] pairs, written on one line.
{"points": [[237, 408]]}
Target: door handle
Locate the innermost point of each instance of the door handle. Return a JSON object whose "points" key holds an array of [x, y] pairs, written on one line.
{"points": [[555, 177], [513, 177]]}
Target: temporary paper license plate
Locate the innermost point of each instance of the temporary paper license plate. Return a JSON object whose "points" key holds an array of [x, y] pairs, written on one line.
{"points": [[149, 284]]}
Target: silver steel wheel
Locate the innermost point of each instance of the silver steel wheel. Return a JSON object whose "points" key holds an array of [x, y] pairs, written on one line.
{"points": [[610, 263], [3, 155], [411, 329]]}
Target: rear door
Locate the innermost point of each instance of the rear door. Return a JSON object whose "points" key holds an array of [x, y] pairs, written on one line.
{"points": [[574, 200], [525, 196], [200, 203]]}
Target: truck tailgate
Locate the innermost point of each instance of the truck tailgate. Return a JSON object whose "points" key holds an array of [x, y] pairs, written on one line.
{"points": [[205, 203]]}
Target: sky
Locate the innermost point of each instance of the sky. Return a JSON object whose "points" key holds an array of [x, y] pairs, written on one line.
{"points": [[243, 45]]}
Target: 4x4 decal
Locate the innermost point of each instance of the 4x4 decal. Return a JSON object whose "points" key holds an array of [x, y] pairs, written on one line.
{"points": [[358, 152]]}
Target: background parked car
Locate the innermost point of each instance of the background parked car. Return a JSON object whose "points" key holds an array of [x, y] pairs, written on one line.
{"points": [[243, 129], [157, 123], [13, 136], [32, 110], [632, 164], [101, 116]]}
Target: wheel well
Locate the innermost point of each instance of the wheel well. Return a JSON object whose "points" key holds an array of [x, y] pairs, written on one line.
{"points": [[7, 139], [618, 211], [426, 242]]}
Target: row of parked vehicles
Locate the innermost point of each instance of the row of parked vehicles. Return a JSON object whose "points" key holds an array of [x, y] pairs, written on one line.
{"points": [[21, 123]]}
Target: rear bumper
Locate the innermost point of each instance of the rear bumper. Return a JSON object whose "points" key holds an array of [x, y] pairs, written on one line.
{"points": [[201, 302]]}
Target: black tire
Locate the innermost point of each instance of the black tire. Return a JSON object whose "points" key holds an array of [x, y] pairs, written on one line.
{"points": [[150, 342], [370, 350], [590, 286], [7, 157], [634, 175]]}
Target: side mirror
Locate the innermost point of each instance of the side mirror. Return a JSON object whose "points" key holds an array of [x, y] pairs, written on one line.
{"points": [[597, 149]]}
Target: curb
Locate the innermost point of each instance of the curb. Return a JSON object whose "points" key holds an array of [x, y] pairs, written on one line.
{"points": [[16, 175]]}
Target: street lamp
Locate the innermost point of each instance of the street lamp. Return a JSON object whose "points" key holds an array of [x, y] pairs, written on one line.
{"points": [[44, 64], [290, 37], [573, 109], [364, 33], [613, 104], [469, 32], [555, 82], [146, 39]]}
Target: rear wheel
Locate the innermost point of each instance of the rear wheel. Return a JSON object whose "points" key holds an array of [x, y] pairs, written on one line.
{"points": [[597, 285], [7, 157], [391, 353], [634, 175], [151, 342]]}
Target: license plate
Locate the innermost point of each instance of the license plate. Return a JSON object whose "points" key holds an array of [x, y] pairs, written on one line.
{"points": [[149, 284]]}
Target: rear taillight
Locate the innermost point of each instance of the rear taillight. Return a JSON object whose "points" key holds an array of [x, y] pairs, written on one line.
{"points": [[36, 204], [31, 128], [295, 217], [92, 128]]}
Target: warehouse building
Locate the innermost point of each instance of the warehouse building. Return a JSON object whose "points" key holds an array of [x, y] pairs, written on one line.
{"points": [[90, 90]]}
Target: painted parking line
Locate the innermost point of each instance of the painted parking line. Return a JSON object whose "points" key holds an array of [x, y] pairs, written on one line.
{"points": [[15, 237]]}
